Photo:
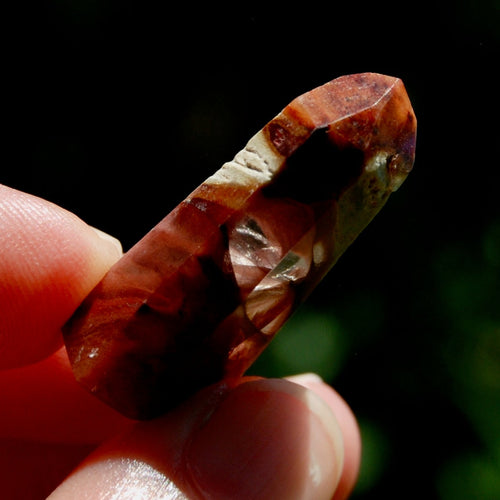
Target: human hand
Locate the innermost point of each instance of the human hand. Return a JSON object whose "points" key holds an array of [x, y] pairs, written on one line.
{"points": [[258, 438]]}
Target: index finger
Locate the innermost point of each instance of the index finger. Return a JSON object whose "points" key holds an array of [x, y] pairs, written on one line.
{"points": [[50, 260]]}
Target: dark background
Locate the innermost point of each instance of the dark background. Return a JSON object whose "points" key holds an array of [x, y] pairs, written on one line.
{"points": [[117, 110]]}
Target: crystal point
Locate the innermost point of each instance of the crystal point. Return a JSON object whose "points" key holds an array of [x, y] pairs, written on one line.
{"points": [[203, 293]]}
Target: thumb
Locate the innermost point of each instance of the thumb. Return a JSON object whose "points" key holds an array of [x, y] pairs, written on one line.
{"points": [[266, 439], [50, 260]]}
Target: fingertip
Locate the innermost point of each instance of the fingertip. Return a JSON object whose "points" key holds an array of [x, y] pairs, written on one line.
{"points": [[349, 428], [263, 439], [272, 439], [50, 261]]}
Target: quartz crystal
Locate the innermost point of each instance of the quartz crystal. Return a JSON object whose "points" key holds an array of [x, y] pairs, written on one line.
{"points": [[203, 293]]}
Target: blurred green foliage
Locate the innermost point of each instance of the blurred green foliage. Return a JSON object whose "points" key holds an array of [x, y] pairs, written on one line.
{"points": [[317, 336], [469, 278]]}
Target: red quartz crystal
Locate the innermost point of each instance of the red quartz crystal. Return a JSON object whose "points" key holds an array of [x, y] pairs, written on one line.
{"points": [[203, 293]]}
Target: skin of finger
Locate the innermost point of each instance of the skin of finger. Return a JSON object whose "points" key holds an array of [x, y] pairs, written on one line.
{"points": [[250, 440], [31, 470], [348, 425], [50, 262], [43, 402]]}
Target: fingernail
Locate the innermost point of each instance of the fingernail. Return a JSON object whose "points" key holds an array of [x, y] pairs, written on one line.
{"points": [[306, 378], [113, 244], [268, 439]]}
